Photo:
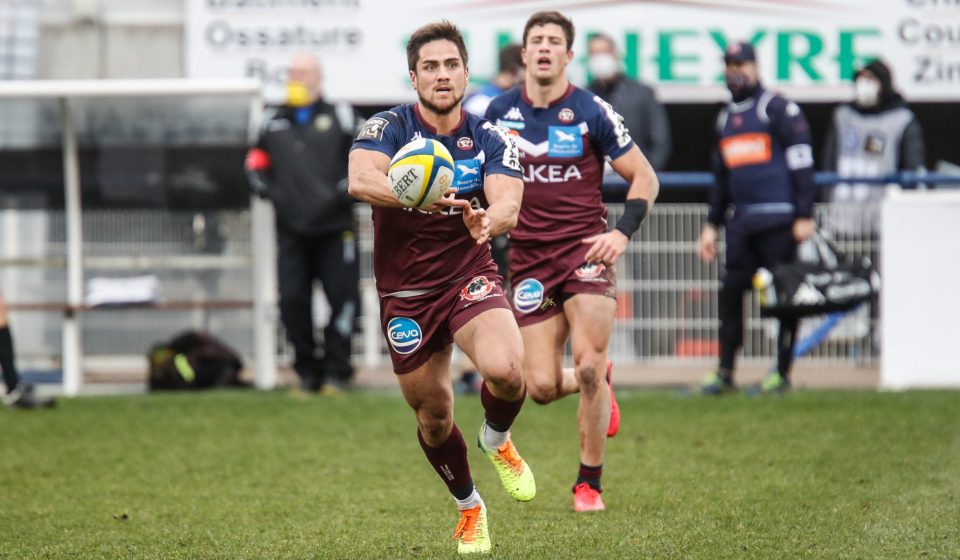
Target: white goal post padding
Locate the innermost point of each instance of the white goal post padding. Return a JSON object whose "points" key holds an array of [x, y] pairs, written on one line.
{"points": [[64, 92], [920, 296]]}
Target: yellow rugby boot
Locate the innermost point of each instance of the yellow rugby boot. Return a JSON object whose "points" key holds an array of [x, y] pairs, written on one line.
{"points": [[472, 534]]}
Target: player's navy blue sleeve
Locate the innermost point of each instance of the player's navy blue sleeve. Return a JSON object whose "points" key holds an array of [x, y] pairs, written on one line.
{"points": [[790, 126], [382, 132], [609, 132], [501, 154], [720, 195]]}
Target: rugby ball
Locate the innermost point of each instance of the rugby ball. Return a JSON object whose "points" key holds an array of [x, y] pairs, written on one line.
{"points": [[420, 173]]}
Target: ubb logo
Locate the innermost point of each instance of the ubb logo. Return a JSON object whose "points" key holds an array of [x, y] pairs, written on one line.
{"points": [[528, 295], [404, 334]]}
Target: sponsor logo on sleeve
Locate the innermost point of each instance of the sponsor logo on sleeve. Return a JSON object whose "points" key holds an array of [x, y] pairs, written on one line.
{"points": [[564, 141], [404, 335], [528, 295], [466, 175], [373, 129], [478, 289]]}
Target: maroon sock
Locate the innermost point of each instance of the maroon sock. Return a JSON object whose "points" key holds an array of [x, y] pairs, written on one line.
{"points": [[591, 475], [449, 459], [499, 413]]}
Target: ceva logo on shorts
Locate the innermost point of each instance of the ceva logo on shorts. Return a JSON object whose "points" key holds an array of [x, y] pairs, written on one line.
{"points": [[404, 334], [528, 295]]}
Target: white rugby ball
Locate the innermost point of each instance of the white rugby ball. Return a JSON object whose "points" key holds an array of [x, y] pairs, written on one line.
{"points": [[420, 173]]}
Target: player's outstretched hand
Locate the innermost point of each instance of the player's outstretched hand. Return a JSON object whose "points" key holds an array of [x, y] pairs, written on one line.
{"points": [[477, 223], [606, 247], [447, 201]]}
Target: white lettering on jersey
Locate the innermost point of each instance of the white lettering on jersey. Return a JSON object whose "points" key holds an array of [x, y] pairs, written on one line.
{"points": [[511, 153], [620, 129], [547, 173]]}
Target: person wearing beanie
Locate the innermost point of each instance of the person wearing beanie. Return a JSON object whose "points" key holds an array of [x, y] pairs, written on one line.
{"points": [[763, 198], [874, 135]]}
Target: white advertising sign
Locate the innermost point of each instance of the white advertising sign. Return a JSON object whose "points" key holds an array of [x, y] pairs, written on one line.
{"points": [[809, 48]]}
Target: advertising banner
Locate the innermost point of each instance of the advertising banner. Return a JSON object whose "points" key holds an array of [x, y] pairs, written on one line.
{"points": [[808, 48]]}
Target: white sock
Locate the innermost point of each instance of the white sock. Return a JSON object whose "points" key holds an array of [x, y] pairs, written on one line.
{"points": [[492, 438], [472, 501]]}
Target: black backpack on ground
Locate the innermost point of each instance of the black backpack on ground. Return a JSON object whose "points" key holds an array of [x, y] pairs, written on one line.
{"points": [[194, 360]]}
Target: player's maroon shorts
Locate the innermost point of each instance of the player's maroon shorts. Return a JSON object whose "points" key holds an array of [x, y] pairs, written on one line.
{"points": [[543, 276], [418, 327]]}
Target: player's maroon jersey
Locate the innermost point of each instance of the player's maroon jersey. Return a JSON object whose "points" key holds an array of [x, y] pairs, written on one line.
{"points": [[415, 250], [562, 148]]}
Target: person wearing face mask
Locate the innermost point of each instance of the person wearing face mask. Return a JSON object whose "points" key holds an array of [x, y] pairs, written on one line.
{"points": [[872, 136], [643, 115], [763, 197], [510, 73], [300, 165]]}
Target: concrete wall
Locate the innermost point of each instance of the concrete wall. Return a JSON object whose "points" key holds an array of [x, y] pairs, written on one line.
{"points": [[83, 39]]}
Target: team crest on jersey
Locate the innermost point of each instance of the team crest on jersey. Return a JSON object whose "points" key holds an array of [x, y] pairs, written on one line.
{"points": [[564, 141], [591, 272], [566, 115], [528, 295], [478, 289], [465, 143], [373, 129], [404, 335], [323, 123]]}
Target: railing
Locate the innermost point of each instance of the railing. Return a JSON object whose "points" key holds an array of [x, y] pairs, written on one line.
{"points": [[667, 304]]}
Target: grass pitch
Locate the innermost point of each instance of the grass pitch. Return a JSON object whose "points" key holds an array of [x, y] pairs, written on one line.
{"points": [[245, 475]]}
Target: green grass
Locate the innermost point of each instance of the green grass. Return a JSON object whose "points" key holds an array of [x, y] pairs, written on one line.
{"points": [[251, 475]]}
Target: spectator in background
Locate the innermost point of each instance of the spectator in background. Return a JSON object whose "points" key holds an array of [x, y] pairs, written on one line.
{"points": [[763, 164], [643, 115], [19, 393], [510, 74], [873, 136], [300, 164]]}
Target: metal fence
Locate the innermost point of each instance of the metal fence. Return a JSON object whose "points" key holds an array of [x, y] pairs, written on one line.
{"points": [[667, 301]]}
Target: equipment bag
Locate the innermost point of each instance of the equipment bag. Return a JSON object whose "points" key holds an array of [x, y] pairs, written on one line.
{"points": [[194, 360], [820, 281]]}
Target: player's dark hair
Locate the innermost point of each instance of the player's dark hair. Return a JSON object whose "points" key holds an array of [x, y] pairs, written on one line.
{"points": [[543, 18], [442, 30], [511, 58]]}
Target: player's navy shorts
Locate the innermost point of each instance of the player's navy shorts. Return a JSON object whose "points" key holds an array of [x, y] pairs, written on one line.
{"points": [[420, 326], [543, 276]]}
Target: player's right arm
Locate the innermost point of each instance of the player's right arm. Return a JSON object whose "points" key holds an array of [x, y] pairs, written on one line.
{"points": [[367, 178], [716, 216]]}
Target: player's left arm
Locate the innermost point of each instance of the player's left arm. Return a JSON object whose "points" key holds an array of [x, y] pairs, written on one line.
{"points": [[502, 184], [644, 187], [504, 195], [790, 125]]}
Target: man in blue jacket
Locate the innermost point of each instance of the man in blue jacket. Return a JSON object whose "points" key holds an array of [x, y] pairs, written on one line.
{"points": [[763, 197]]}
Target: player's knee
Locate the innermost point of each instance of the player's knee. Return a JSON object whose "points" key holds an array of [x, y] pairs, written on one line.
{"points": [[590, 372], [505, 375], [434, 424], [542, 392]]}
